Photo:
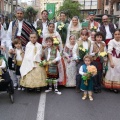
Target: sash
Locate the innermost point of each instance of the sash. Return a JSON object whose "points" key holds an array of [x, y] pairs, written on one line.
{"points": [[27, 28]]}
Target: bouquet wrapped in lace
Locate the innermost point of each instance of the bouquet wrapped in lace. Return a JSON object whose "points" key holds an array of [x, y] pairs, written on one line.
{"points": [[91, 71]]}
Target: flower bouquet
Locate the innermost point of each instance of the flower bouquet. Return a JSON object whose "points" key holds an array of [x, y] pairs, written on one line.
{"points": [[62, 30], [103, 56], [56, 41], [61, 26], [82, 52], [94, 28], [39, 31], [91, 71], [43, 63], [51, 80]]}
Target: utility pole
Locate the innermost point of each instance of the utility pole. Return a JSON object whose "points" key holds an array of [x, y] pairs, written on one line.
{"points": [[11, 10]]}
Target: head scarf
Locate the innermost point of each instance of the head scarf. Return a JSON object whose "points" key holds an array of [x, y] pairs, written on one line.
{"points": [[19, 9]]}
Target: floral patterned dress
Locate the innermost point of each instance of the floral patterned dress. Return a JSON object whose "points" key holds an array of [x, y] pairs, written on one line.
{"points": [[70, 67]]}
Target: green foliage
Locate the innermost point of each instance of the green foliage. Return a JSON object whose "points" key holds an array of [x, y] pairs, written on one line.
{"points": [[72, 8], [30, 14]]}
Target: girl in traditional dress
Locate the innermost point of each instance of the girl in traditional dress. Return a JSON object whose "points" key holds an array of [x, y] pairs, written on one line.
{"points": [[83, 71], [70, 63], [19, 54], [112, 78], [78, 54], [74, 28], [52, 56], [33, 76], [98, 47], [51, 32], [61, 65]]}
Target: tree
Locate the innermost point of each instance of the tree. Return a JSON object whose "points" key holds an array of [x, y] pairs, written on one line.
{"points": [[30, 14], [72, 8]]}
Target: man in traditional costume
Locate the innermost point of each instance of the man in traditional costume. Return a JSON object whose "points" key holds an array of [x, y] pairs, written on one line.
{"points": [[43, 23], [18, 29], [91, 22], [107, 29], [62, 30]]}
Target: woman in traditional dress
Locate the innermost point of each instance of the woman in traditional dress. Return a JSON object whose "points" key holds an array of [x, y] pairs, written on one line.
{"points": [[74, 28], [70, 63], [51, 32], [112, 78], [33, 76]]}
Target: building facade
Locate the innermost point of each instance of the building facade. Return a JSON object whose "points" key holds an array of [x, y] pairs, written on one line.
{"points": [[90, 5]]}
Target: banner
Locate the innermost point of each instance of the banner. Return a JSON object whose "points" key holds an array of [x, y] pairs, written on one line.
{"points": [[51, 9]]}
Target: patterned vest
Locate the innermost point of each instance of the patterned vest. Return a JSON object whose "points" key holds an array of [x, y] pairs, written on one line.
{"points": [[40, 25], [27, 28], [96, 47]]}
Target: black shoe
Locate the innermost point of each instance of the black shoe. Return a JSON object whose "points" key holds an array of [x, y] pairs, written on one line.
{"points": [[95, 91], [99, 91], [77, 90], [115, 91]]}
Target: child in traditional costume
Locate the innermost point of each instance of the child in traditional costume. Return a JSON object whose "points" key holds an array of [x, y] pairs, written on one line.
{"points": [[33, 76], [51, 32], [19, 54], [70, 62], [81, 48], [99, 47], [112, 78], [87, 71], [52, 56]]}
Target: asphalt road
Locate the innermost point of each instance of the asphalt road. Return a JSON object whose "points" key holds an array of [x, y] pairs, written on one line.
{"points": [[68, 106]]}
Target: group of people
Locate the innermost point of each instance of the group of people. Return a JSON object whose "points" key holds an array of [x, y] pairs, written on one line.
{"points": [[52, 54]]}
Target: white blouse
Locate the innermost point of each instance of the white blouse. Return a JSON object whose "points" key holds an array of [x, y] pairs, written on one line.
{"points": [[81, 71], [18, 55], [114, 44], [3, 64]]}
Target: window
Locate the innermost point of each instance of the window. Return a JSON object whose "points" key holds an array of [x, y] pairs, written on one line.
{"points": [[87, 3], [107, 2], [118, 6], [94, 2]]}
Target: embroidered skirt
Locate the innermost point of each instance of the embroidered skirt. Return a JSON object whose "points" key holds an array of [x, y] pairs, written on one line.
{"points": [[35, 78], [112, 78]]}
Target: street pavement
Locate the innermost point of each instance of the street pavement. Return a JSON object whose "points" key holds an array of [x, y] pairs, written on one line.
{"points": [[68, 106]]}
